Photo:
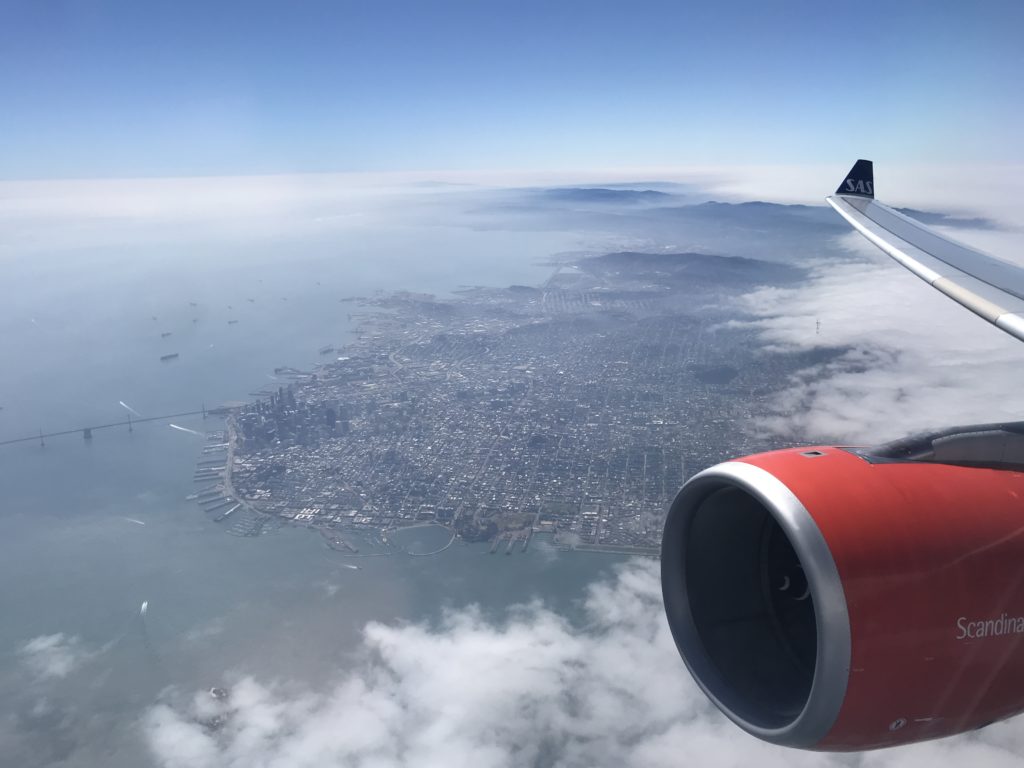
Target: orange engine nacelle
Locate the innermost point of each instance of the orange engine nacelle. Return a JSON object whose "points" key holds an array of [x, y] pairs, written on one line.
{"points": [[845, 599]]}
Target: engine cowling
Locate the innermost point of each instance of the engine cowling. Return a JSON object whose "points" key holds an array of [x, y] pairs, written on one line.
{"points": [[842, 599]]}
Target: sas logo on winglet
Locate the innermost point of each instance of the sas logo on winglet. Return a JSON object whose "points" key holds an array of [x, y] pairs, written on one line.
{"points": [[860, 181], [860, 187]]}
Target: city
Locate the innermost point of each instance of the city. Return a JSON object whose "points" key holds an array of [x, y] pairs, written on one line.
{"points": [[576, 408]]}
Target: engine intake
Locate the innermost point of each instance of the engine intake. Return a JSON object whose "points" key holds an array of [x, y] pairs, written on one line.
{"points": [[743, 570]]}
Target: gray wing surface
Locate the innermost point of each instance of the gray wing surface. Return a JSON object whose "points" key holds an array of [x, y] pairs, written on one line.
{"points": [[991, 288]]}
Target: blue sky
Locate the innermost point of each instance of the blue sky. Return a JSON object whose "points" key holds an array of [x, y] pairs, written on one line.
{"points": [[99, 89]]}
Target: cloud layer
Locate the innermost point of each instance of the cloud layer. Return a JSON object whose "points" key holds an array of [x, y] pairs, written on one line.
{"points": [[912, 360], [467, 692], [531, 690], [53, 656]]}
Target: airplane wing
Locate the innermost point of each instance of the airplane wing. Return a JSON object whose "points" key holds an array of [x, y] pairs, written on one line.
{"points": [[991, 288]]}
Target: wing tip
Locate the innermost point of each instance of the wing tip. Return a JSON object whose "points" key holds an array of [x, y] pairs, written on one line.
{"points": [[860, 181]]}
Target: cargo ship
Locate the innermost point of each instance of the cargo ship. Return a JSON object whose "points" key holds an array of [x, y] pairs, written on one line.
{"points": [[169, 357]]}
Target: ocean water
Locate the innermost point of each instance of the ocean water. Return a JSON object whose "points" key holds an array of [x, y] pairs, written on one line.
{"points": [[91, 529]]}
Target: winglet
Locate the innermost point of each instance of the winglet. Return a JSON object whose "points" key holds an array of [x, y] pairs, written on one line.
{"points": [[860, 181]]}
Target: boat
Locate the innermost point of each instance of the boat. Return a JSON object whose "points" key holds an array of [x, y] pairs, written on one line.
{"points": [[171, 356]]}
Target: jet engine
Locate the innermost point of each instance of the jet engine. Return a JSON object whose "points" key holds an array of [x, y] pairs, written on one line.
{"points": [[847, 598]]}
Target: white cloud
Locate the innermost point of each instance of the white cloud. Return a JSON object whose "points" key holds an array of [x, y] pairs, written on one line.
{"points": [[53, 656], [529, 690], [916, 360], [467, 692], [37, 215]]}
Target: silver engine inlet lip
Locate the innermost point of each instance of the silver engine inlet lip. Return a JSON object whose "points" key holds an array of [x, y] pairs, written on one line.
{"points": [[832, 659]]}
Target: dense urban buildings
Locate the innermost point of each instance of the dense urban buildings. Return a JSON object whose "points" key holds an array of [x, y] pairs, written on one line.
{"points": [[578, 407]]}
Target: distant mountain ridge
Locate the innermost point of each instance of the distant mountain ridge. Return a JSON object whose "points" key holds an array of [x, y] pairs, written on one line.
{"points": [[703, 267], [604, 195]]}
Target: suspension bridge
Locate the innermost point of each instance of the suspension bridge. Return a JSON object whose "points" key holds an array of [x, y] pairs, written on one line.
{"points": [[87, 432]]}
